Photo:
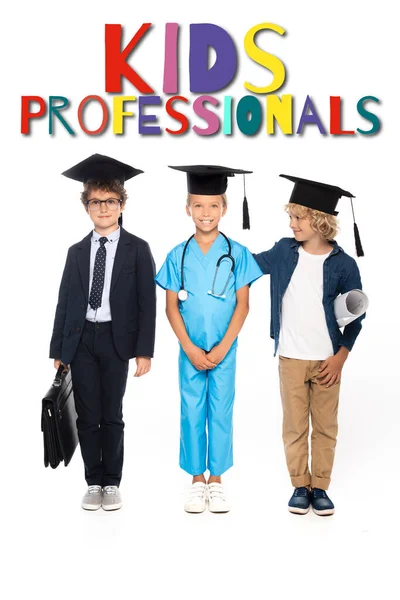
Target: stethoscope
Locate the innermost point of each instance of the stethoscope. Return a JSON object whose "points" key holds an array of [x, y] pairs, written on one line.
{"points": [[183, 295]]}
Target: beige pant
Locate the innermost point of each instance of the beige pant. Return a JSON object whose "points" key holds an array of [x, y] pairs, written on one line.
{"points": [[301, 395]]}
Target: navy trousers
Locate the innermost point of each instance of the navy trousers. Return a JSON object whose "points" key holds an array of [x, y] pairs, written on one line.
{"points": [[99, 380]]}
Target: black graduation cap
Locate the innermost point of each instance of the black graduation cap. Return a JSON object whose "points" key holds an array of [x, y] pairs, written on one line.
{"points": [[211, 180], [322, 197], [99, 167]]}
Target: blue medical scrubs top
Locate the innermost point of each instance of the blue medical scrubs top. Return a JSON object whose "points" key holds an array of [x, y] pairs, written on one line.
{"points": [[207, 317]]}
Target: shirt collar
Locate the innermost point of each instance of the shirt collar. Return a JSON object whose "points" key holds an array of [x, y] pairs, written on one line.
{"points": [[112, 237], [336, 247]]}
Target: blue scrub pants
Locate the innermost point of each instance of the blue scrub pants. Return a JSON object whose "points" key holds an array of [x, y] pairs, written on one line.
{"points": [[206, 406]]}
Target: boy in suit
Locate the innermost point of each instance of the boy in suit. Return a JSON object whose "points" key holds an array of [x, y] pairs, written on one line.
{"points": [[308, 272], [105, 315]]}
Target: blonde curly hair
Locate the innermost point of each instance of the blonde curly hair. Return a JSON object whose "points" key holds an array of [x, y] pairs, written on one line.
{"points": [[323, 223]]}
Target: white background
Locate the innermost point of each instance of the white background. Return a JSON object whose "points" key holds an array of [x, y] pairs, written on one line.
{"points": [[151, 548]]}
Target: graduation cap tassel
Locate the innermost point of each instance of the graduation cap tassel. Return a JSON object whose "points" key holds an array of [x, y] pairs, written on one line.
{"points": [[246, 216], [359, 248]]}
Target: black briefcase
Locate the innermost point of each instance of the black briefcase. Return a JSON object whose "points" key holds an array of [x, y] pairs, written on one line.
{"points": [[60, 436]]}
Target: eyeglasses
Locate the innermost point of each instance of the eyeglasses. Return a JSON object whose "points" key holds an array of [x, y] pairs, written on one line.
{"points": [[111, 203]]}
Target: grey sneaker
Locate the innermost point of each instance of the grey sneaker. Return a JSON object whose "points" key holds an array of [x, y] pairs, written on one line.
{"points": [[93, 497], [111, 498]]}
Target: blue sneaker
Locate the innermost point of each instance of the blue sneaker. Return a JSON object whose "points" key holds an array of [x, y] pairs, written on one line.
{"points": [[299, 503], [321, 503]]}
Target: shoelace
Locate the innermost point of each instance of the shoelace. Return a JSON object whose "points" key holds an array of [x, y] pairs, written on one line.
{"points": [[301, 492], [94, 489], [317, 493], [110, 490]]}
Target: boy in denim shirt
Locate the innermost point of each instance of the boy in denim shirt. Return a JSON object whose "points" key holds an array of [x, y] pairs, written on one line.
{"points": [[307, 273]]}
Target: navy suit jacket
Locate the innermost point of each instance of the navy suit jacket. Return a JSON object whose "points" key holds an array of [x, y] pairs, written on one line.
{"points": [[132, 299]]}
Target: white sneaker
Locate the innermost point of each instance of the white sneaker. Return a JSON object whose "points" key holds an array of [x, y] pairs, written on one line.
{"points": [[196, 498], [93, 497], [112, 499], [217, 503]]}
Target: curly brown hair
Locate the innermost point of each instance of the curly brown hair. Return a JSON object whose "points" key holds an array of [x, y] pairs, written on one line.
{"points": [[104, 186], [323, 223]]}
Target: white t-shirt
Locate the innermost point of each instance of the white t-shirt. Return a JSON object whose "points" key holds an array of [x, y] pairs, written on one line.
{"points": [[304, 332]]}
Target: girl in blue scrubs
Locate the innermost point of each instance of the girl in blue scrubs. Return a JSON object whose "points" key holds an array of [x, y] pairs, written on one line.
{"points": [[207, 281]]}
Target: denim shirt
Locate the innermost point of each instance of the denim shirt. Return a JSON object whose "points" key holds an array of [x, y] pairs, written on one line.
{"points": [[340, 275]]}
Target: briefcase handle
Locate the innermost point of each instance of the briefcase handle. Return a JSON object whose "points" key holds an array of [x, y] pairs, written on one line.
{"points": [[61, 372]]}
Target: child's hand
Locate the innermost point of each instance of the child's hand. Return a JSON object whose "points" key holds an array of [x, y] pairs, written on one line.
{"points": [[143, 365], [58, 363], [217, 354], [330, 370], [199, 358]]}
